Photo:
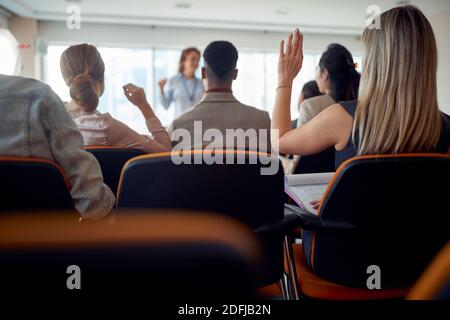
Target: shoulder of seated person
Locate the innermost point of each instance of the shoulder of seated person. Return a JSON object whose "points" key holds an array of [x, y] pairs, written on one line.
{"points": [[107, 117], [253, 109], [318, 100], [337, 110], [25, 87], [187, 115]]}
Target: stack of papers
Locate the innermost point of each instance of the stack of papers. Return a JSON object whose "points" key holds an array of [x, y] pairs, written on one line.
{"points": [[304, 188]]}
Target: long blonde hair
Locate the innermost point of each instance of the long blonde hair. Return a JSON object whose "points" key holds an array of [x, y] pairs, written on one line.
{"points": [[397, 108], [83, 71]]}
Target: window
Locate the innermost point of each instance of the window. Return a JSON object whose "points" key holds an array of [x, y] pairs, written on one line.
{"points": [[249, 85], [255, 84], [9, 48]]}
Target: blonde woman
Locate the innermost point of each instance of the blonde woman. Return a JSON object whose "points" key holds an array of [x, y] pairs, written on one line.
{"points": [[83, 71], [396, 110]]}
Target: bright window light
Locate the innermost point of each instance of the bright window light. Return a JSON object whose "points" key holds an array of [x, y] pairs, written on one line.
{"points": [[9, 48]]}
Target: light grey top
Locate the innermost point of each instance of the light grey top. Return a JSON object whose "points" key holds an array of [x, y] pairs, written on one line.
{"points": [[311, 107], [182, 93], [34, 123]]}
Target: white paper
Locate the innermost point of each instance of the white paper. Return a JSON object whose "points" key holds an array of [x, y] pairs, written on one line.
{"points": [[309, 178], [304, 188]]}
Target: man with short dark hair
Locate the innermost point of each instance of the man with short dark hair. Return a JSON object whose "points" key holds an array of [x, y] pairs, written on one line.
{"points": [[219, 112]]}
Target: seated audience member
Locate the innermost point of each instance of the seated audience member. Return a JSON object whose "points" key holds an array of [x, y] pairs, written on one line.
{"points": [[309, 90], [397, 109], [336, 78], [34, 123], [219, 109], [83, 71]]}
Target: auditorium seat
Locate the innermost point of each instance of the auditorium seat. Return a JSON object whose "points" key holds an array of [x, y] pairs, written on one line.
{"points": [[32, 184], [240, 191], [112, 160], [314, 287], [386, 211], [160, 254]]}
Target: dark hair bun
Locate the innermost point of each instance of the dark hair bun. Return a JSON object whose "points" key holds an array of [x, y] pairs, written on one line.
{"points": [[82, 91]]}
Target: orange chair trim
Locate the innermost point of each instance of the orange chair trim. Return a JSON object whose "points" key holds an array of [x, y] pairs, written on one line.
{"points": [[345, 163], [434, 278], [110, 148], [271, 291], [313, 286], [39, 160], [170, 153], [62, 229]]}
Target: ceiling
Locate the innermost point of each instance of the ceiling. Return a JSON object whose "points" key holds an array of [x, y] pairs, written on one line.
{"points": [[319, 16]]}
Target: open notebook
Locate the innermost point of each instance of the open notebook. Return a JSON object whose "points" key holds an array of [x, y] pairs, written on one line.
{"points": [[304, 188]]}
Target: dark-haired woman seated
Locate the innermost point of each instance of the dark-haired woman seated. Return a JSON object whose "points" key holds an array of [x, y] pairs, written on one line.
{"points": [[337, 80]]}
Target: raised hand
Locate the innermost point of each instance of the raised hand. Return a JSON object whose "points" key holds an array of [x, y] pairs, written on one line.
{"points": [[291, 59], [162, 83], [136, 95]]}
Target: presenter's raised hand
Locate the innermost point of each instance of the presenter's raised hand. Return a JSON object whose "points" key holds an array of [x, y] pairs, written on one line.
{"points": [[162, 83]]}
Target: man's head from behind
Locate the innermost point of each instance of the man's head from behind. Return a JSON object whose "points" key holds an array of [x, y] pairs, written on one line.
{"points": [[220, 58]]}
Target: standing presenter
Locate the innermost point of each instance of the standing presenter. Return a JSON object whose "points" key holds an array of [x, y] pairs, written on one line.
{"points": [[184, 90]]}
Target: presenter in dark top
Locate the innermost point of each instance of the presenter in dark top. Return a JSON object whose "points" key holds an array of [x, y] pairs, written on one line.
{"points": [[183, 90]]}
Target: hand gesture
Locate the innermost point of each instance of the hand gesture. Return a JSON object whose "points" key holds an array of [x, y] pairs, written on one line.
{"points": [[162, 83], [135, 94], [290, 61]]}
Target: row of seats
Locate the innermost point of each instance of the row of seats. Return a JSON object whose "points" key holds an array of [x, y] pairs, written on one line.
{"points": [[153, 254], [112, 160], [387, 211], [159, 254]]}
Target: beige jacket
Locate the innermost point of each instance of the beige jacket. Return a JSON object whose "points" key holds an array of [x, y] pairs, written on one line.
{"points": [[311, 107], [230, 118]]}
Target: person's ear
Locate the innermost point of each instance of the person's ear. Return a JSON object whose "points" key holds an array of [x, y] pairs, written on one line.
{"points": [[203, 73], [100, 88], [324, 74], [235, 74]]}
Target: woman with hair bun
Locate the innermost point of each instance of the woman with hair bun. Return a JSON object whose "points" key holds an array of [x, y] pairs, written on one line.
{"points": [[83, 71]]}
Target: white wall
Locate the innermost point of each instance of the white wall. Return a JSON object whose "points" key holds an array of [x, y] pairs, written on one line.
{"points": [[441, 27], [178, 37], [26, 32], [3, 19]]}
